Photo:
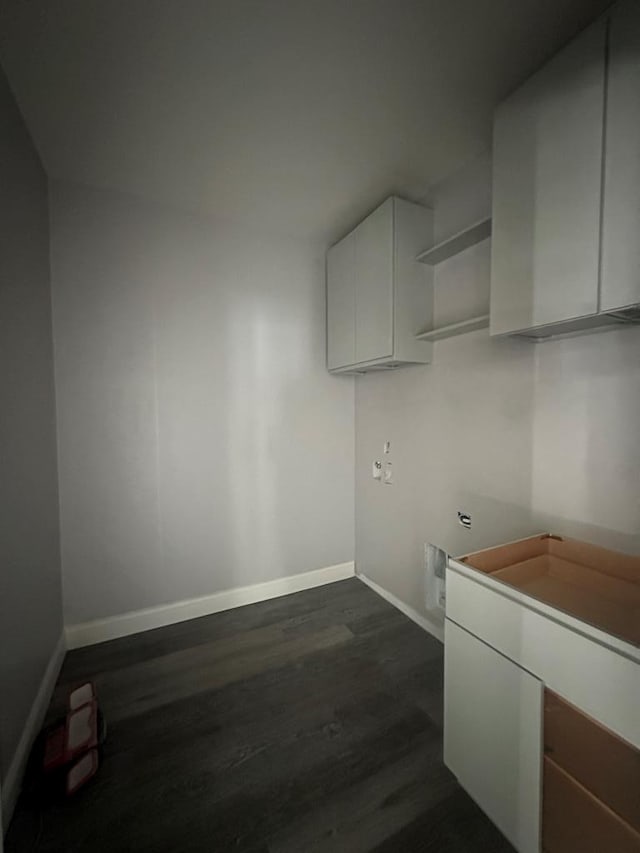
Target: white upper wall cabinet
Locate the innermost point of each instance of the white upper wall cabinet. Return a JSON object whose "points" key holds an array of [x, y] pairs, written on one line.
{"points": [[547, 175], [374, 284], [378, 295], [341, 304], [620, 286]]}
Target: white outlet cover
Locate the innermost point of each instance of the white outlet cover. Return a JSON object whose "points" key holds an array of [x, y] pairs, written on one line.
{"points": [[376, 470], [388, 474]]}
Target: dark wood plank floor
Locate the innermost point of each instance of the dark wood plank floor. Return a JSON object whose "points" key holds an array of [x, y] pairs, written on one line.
{"points": [[306, 724]]}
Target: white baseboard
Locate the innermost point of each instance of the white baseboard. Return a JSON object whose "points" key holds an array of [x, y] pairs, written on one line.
{"points": [[88, 633], [436, 630], [13, 780]]}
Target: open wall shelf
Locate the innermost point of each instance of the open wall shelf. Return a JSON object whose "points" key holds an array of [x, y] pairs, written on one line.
{"points": [[450, 331], [475, 233]]}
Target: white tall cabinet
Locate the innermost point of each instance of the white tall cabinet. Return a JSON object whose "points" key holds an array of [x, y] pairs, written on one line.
{"points": [[566, 187], [378, 296]]}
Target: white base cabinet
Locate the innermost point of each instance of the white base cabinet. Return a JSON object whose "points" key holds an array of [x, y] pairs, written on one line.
{"points": [[503, 651], [493, 734]]}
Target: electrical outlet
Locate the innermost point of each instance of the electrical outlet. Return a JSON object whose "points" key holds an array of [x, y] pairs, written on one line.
{"points": [[376, 470], [388, 474]]}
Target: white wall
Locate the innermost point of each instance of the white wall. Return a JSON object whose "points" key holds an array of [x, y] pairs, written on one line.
{"points": [[586, 458], [524, 436], [30, 596], [203, 445]]}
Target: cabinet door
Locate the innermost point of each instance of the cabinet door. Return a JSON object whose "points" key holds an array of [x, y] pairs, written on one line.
{"points": [[374, 284], [620, 284], [492, 734], [341, 294], [547, 170]]}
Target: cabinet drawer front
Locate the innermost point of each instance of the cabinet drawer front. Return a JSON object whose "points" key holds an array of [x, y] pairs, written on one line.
{"points": [[574, 821], [605, 764], [562, 658]]}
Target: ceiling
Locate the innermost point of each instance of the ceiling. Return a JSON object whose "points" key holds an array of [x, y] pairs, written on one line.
{"points": [[297, 115]]}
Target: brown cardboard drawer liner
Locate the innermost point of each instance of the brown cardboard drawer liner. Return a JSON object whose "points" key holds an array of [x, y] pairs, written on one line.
{"points": [[605, 764], [574, 821], [599, 586]]}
